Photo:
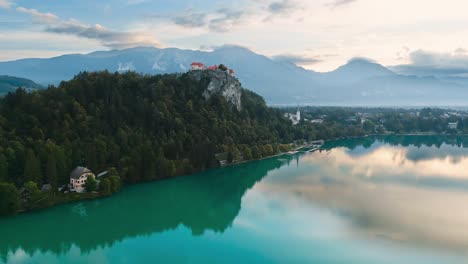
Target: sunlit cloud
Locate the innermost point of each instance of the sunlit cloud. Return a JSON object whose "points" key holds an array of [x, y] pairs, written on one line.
{"points": [[108, 38], [5, 4], [381, 193], [337, 3], [422, 62], [296, 59]]}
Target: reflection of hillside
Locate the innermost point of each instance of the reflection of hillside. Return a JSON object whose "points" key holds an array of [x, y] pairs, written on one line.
{"points": [[206, 201]]}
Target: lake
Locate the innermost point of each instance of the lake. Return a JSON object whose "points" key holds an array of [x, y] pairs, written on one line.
{"points": [[396, 199]]}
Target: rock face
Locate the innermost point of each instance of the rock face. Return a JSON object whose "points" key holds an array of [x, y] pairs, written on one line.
{"points": [[220, 82]]}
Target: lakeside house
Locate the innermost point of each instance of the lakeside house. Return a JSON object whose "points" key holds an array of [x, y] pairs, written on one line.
{"points": [[78, 178]]}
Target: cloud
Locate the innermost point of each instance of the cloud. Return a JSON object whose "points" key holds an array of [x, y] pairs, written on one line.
{"points": [[136, 2], [460, 51], [296, 59], [191, 19], [360, 59], [426, 63], [107, 37], [228, 19], [5, 4], [38, 16], [338, 3], [281, 7], [220, 21]]}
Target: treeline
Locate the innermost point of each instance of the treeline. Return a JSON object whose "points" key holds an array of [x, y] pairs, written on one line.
{"points": [[147, 127], [340, 122]]}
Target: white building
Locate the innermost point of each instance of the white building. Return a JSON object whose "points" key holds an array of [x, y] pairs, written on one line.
{"points": [[78, 178], [316, 121], [453, 125], [295, 118]]}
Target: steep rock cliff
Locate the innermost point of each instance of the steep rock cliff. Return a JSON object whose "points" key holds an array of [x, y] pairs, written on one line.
{"points": [[220, 82]]}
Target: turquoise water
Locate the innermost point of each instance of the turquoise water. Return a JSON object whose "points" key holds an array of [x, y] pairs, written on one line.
{"points": [[373, 200]]}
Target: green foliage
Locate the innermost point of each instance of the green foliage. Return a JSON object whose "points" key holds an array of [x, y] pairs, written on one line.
{"points": [[90, 184], [256, 152], [284, 148], [31, 187], [3, 168], [9, 199], [10, 84], [32, 168], [35, 198], [222, 67], [115, 183], [247, 152], [51, 171], [105, 186], [146, 127]]}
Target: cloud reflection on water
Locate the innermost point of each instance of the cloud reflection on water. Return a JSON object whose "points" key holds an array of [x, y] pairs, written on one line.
{"points": [[387, 193]]}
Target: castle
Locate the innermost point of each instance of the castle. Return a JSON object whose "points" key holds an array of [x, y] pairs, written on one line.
{"points": [[197, 66]]}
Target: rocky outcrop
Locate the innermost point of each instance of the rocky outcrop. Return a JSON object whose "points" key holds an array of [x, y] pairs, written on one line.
{"points": [[220, 82]]}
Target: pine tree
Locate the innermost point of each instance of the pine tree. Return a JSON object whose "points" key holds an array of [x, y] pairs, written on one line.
{"points": [[52, 170], [3, 168], [32, 168]]}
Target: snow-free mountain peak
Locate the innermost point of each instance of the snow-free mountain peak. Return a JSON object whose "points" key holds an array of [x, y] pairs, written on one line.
{"points": [[358, 82]]}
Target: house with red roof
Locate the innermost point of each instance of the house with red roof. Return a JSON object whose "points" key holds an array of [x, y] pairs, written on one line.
{"points": [[213, 68], [197, 66]]}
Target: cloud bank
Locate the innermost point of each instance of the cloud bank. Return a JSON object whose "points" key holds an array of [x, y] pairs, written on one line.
{"points": [[296, 59], [5, 4], [107, 37], [439, 64], [338, 3]]}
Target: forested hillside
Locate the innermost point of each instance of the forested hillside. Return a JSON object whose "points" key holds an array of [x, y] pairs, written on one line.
{"points": [[10, 84], [148, 127]]}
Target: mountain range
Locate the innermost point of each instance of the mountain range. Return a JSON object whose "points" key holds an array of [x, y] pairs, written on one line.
{"points": [[10, 84], [359, 82]]}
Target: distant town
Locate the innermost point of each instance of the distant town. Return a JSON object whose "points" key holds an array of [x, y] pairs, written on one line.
{"points": [[381, 120]]}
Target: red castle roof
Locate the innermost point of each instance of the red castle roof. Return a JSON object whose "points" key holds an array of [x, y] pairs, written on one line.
{"points": [[198, 64], [214, 67]]}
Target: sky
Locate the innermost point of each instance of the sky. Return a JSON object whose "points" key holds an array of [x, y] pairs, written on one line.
{"points": [[316, 34]]}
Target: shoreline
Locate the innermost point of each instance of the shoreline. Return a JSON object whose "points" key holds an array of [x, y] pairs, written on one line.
{"points": [[77, 197]]}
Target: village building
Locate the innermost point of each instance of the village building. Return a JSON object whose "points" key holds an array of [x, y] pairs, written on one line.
{"points": [[295, 118], [316, 121], [453, 125], [78, 178]]}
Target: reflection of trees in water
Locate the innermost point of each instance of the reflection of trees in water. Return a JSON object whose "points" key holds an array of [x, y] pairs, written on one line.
{"points": [[405, 141], [206, 201]]}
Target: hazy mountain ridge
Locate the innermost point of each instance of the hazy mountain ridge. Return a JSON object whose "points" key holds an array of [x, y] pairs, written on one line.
{"points": [[359, 82], [11, 83]]}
